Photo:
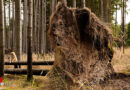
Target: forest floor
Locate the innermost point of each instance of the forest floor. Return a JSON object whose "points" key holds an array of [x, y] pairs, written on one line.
{"points": [[121, 64]]}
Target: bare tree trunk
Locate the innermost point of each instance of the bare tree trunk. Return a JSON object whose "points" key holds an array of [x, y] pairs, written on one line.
{"points": [[29, 41], [9, 27], [123, 26], [43, 42], [116, 21], [1, 39], [101, 9], [84, 3], [53, 5], [74, 3], [40, 26], [35, 3], [37, 28], [5, 31], [25, 27], [18, 28], [106, 10], [13, 27], [33, 27]]}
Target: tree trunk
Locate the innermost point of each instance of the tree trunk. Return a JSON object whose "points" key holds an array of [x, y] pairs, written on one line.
{"points": [[40, 26], [1, 38], [35, 5], [29, 41], [109, 11], [13, 27], [5, 31], [34, 25], [74, 3], [9, 28], [84, 3], [18, 29], [53, 5], [25, 27], [43, 42], [116, 22], [123, 26], [37, 28], [101, 9]]}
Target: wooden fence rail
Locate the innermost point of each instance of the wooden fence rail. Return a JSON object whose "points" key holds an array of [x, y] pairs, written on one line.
{"points": [[24, 71], [33, 63]]}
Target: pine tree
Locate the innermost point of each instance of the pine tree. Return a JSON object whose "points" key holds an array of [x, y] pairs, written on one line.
{"points": [[1, 39], [29, 41]]}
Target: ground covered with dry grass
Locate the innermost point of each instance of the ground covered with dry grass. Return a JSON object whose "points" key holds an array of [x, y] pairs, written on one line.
{"points": [[121, 64]]}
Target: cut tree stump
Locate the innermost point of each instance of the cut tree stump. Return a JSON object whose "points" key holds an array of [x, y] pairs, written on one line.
{"points": [[24, 71]]}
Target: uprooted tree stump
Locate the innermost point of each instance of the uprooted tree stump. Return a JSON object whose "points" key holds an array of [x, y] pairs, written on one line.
{"points": [[83, 50]]}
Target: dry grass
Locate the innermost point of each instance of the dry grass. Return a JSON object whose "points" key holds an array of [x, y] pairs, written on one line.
{"points": [[36, 57], [15, 82], [121, 63]]}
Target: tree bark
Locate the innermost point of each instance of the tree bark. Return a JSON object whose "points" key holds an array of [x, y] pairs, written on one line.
{"points": [[37, 28], [18, 29], [123, 26], [35, 5], [53, 5], [5, 31], [34, 25], [9, 27], [40, 26], [74, 3], [43, 42], [29, 41], [25, 27], [116, 22], [13, 27], [1, 38], [101, 9], [84, 3]]}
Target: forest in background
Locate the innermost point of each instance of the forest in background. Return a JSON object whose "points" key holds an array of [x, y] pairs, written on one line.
{"points": [[106, 10]]}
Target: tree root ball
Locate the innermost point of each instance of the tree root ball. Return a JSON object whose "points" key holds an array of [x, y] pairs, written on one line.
{"points": [[83, 50]]}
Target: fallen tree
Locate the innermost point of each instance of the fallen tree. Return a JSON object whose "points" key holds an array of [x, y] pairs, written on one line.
{"points": [[83, 49]]}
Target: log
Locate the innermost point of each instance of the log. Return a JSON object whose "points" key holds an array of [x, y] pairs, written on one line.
{"points": [[33, 63], [24, 71]]}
